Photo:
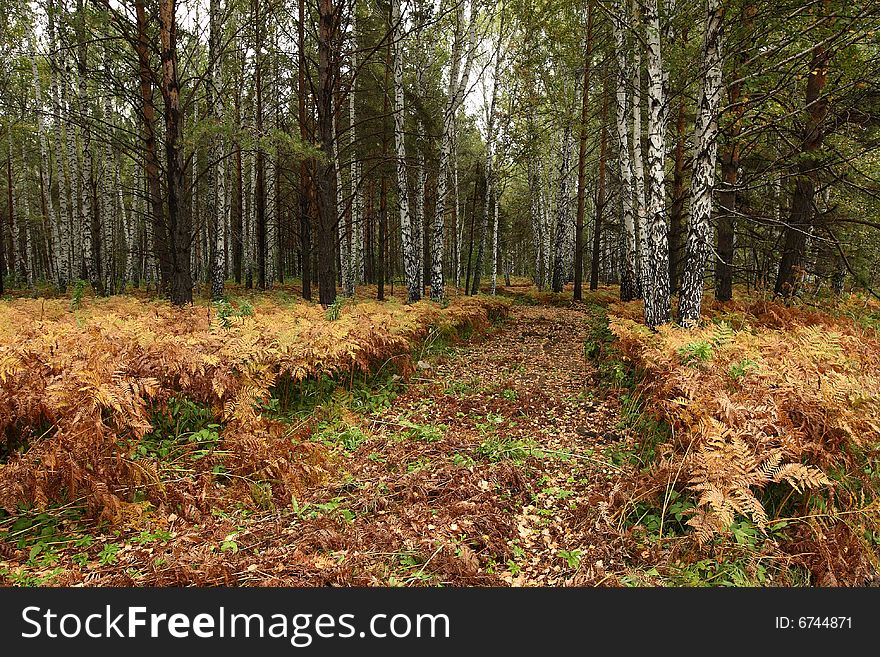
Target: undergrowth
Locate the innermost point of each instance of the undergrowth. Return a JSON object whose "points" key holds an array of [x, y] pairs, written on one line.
{"points": [[114, 402], [760, 430]]}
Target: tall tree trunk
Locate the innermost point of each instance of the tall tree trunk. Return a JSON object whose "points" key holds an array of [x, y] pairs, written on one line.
{"points": [[703, 177], [305, 221], [596, 258], [86, 184], [458, 215], [46, 190], [216, 210], [535, 216], [628, 281], [676, 214], [582, 161], [800, 220], [383, 190], [730, 156], [65, 218], [179, 222], [325, 179], [159, 246], [656, 292], [356, 260], [408, 245], [562, 243], [458, 78], [638, 160], [343, 226], [259, 201], [495, 230], [108, 212]]}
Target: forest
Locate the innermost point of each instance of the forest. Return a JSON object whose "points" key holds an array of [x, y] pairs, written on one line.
{"points": [[440, 293]]}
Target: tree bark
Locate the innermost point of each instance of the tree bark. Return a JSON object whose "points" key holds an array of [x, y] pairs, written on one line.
{"points": [[562, 242], [458, 79], [703, 177], [179, 222], [325, 179], [628, 280], [596, 259], [582, 161], [656, 292], [801, 218], [407, 232], [159, 248]]}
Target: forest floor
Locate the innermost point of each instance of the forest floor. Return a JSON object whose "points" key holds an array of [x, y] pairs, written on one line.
{"points": [[526, 441], [488, 468]]}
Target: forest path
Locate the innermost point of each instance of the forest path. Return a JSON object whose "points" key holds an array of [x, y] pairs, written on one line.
{"points": [[490, 468], [556, 416]]}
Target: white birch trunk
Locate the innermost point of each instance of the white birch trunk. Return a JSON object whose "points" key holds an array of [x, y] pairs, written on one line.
{"points": [[494, 247], [356, 266], [628, 280], [408, 246], [639, 204], [64, 219], [46, 188], [108, 214], [657, 293], [563, 242], [419, 224], [87, 210], [703, 177], [216, 175], [458, 80]]}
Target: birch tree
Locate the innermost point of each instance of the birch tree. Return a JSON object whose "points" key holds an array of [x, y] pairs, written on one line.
{"points": [[408, 244], [628, 281], [703, 177], [457, 84], [656, 292]]}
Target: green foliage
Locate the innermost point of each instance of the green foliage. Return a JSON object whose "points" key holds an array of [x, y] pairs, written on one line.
{"points": [[335, 308], [342, 433], [426, 433], [571, 557], [693, 353], [738, 371], [500, 449], [79, 287], [226, 311]]}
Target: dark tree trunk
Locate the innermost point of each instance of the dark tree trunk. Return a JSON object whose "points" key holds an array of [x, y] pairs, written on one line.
{"points": [[305, 219], [325, 179], [151, 158], [179, 221], [803, 199], [383, 232], [467, 277], [730, 157], [260, 161], [237, 218], [478, 264]]}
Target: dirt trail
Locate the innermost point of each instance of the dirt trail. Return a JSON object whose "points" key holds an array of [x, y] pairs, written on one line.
{"points": [[507, 486]]}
